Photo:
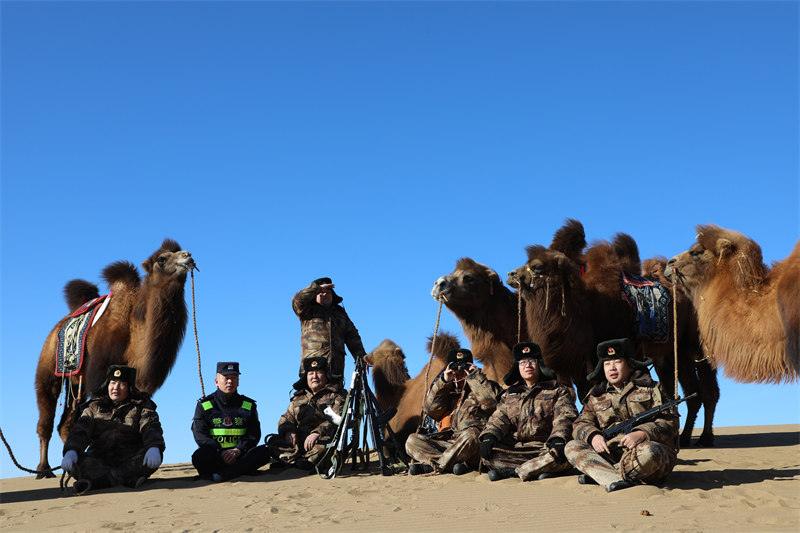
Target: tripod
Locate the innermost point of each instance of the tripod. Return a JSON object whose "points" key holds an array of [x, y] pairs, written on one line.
{"points": [[361, 407]]}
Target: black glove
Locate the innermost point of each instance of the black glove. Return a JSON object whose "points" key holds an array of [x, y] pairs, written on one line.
{"points": [[556, 446], [487, 444]]}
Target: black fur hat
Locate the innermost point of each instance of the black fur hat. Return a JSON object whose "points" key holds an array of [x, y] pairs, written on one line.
{"points": [[309, 364], [323, 281], [527, 350], [118, 373], [617, 349], [459, 355]]}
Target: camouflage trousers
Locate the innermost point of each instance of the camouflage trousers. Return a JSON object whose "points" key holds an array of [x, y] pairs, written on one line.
{"points": [[289, 454], [446, 448], [103, 474], [529, 459], [647, 462]]}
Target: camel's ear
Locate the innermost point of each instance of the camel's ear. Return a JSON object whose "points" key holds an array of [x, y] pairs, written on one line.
{"points": [[398, 352], [147, 265], [494, 280], [724, 247]]}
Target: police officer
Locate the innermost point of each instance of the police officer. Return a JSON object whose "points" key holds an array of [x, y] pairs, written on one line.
{"points": [[227, 430]]}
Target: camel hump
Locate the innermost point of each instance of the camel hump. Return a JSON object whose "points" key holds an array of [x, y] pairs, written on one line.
{"points": [[628, 252], [122, 272], [570, 239], [445, 341], [79, 291]]}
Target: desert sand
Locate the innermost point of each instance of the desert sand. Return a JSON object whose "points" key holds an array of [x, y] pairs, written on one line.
{"points": [[749, 482]]}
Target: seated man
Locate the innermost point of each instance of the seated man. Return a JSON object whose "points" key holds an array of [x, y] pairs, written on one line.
{"points": [[305, 430], [227, 430], [645, 455], [469, 397], [525, 436], [121, 429]]}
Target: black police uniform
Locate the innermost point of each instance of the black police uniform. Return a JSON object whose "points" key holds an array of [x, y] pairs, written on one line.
{"points": [[221, 423]]}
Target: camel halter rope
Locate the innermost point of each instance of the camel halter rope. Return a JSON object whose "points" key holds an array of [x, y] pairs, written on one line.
{"points": [[196, 341], [430, 361], [675, 328], [14, 459]]}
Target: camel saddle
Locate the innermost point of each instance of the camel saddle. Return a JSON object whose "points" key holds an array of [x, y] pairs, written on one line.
{"points": [[649, 302], [72, 335]]}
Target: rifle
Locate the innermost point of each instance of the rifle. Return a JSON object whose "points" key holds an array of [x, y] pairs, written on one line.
{"points": [[645, 416]]}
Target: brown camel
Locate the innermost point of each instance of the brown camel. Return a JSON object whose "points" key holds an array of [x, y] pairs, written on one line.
{"points": [[142, 327], [570, 313], [391, 390], [748, 313], [488, 313], [695, 371]]}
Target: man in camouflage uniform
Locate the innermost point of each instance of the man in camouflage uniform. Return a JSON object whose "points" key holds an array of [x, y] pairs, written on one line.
{"points": [[305, 430], [325, 328], [645, 455], [525, 436], [226, 430], [121, 429], [469, 397]]}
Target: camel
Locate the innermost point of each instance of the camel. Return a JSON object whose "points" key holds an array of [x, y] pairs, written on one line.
{"points": [[488, 313], [748, 313], [394, 388], [142, 327], [573, 302], [695, 371]]}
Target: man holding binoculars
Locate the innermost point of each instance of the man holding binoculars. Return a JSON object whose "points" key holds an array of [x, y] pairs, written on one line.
{"points": [[469, 397]]}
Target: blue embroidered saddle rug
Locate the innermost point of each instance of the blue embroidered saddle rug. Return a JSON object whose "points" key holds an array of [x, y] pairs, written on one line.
{"points": [[649, 302], [72, 336]]}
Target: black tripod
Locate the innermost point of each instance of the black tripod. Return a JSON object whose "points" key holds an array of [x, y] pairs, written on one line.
{"points": [[361, 406]]}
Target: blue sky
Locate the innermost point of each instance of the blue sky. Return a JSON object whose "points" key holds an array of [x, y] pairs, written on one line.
{"points": [[375, 143]]}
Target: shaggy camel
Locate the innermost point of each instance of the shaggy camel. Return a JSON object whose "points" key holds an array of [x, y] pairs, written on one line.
{"points": [[487, 311], [142, 327], [393, 388], [748, 313], [695, 372], [569, 313]]}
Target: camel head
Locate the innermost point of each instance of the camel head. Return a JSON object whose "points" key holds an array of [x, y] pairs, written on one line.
{"points": [[392, 361], [469, 285], [545, 268], [168, 263], [718, 252]]}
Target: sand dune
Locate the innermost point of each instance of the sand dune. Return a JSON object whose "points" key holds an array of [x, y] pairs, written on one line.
{"points": [[749, 482]]}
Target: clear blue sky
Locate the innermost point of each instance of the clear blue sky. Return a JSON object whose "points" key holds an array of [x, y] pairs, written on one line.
{"points": [[375, 143]]}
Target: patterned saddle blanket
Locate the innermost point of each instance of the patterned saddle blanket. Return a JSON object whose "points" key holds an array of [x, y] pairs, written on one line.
{"points": [[649, 302], [72, 336]]}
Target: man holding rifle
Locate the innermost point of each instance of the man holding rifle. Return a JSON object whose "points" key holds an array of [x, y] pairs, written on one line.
{"points": [[646, 452]]}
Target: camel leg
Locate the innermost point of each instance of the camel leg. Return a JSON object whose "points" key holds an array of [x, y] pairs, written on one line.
{"points": [[689, 383], [709, 391], [46, 398]]}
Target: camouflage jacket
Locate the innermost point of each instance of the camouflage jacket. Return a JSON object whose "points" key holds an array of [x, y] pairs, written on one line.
{"points": [[324, 331], [116, 432], [605, 406], [471, 406], [305, 413], [533, 414]]}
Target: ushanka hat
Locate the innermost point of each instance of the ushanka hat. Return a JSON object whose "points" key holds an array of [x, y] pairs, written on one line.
{"points": [[118, 373], [323, 281], [459, 355], [617, 349], [309, 364], [527, 350]]}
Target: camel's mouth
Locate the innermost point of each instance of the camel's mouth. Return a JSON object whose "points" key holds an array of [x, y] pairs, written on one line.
{"points": [[188, 265]]}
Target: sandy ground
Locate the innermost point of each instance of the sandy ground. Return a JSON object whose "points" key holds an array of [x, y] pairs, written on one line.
{"points": [[749, 482]]}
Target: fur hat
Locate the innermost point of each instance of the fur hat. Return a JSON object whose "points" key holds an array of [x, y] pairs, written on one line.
{"points": [[527, 350], [459, 355], [323, 281], [309, 364], [617, 349], [118, 373]]}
